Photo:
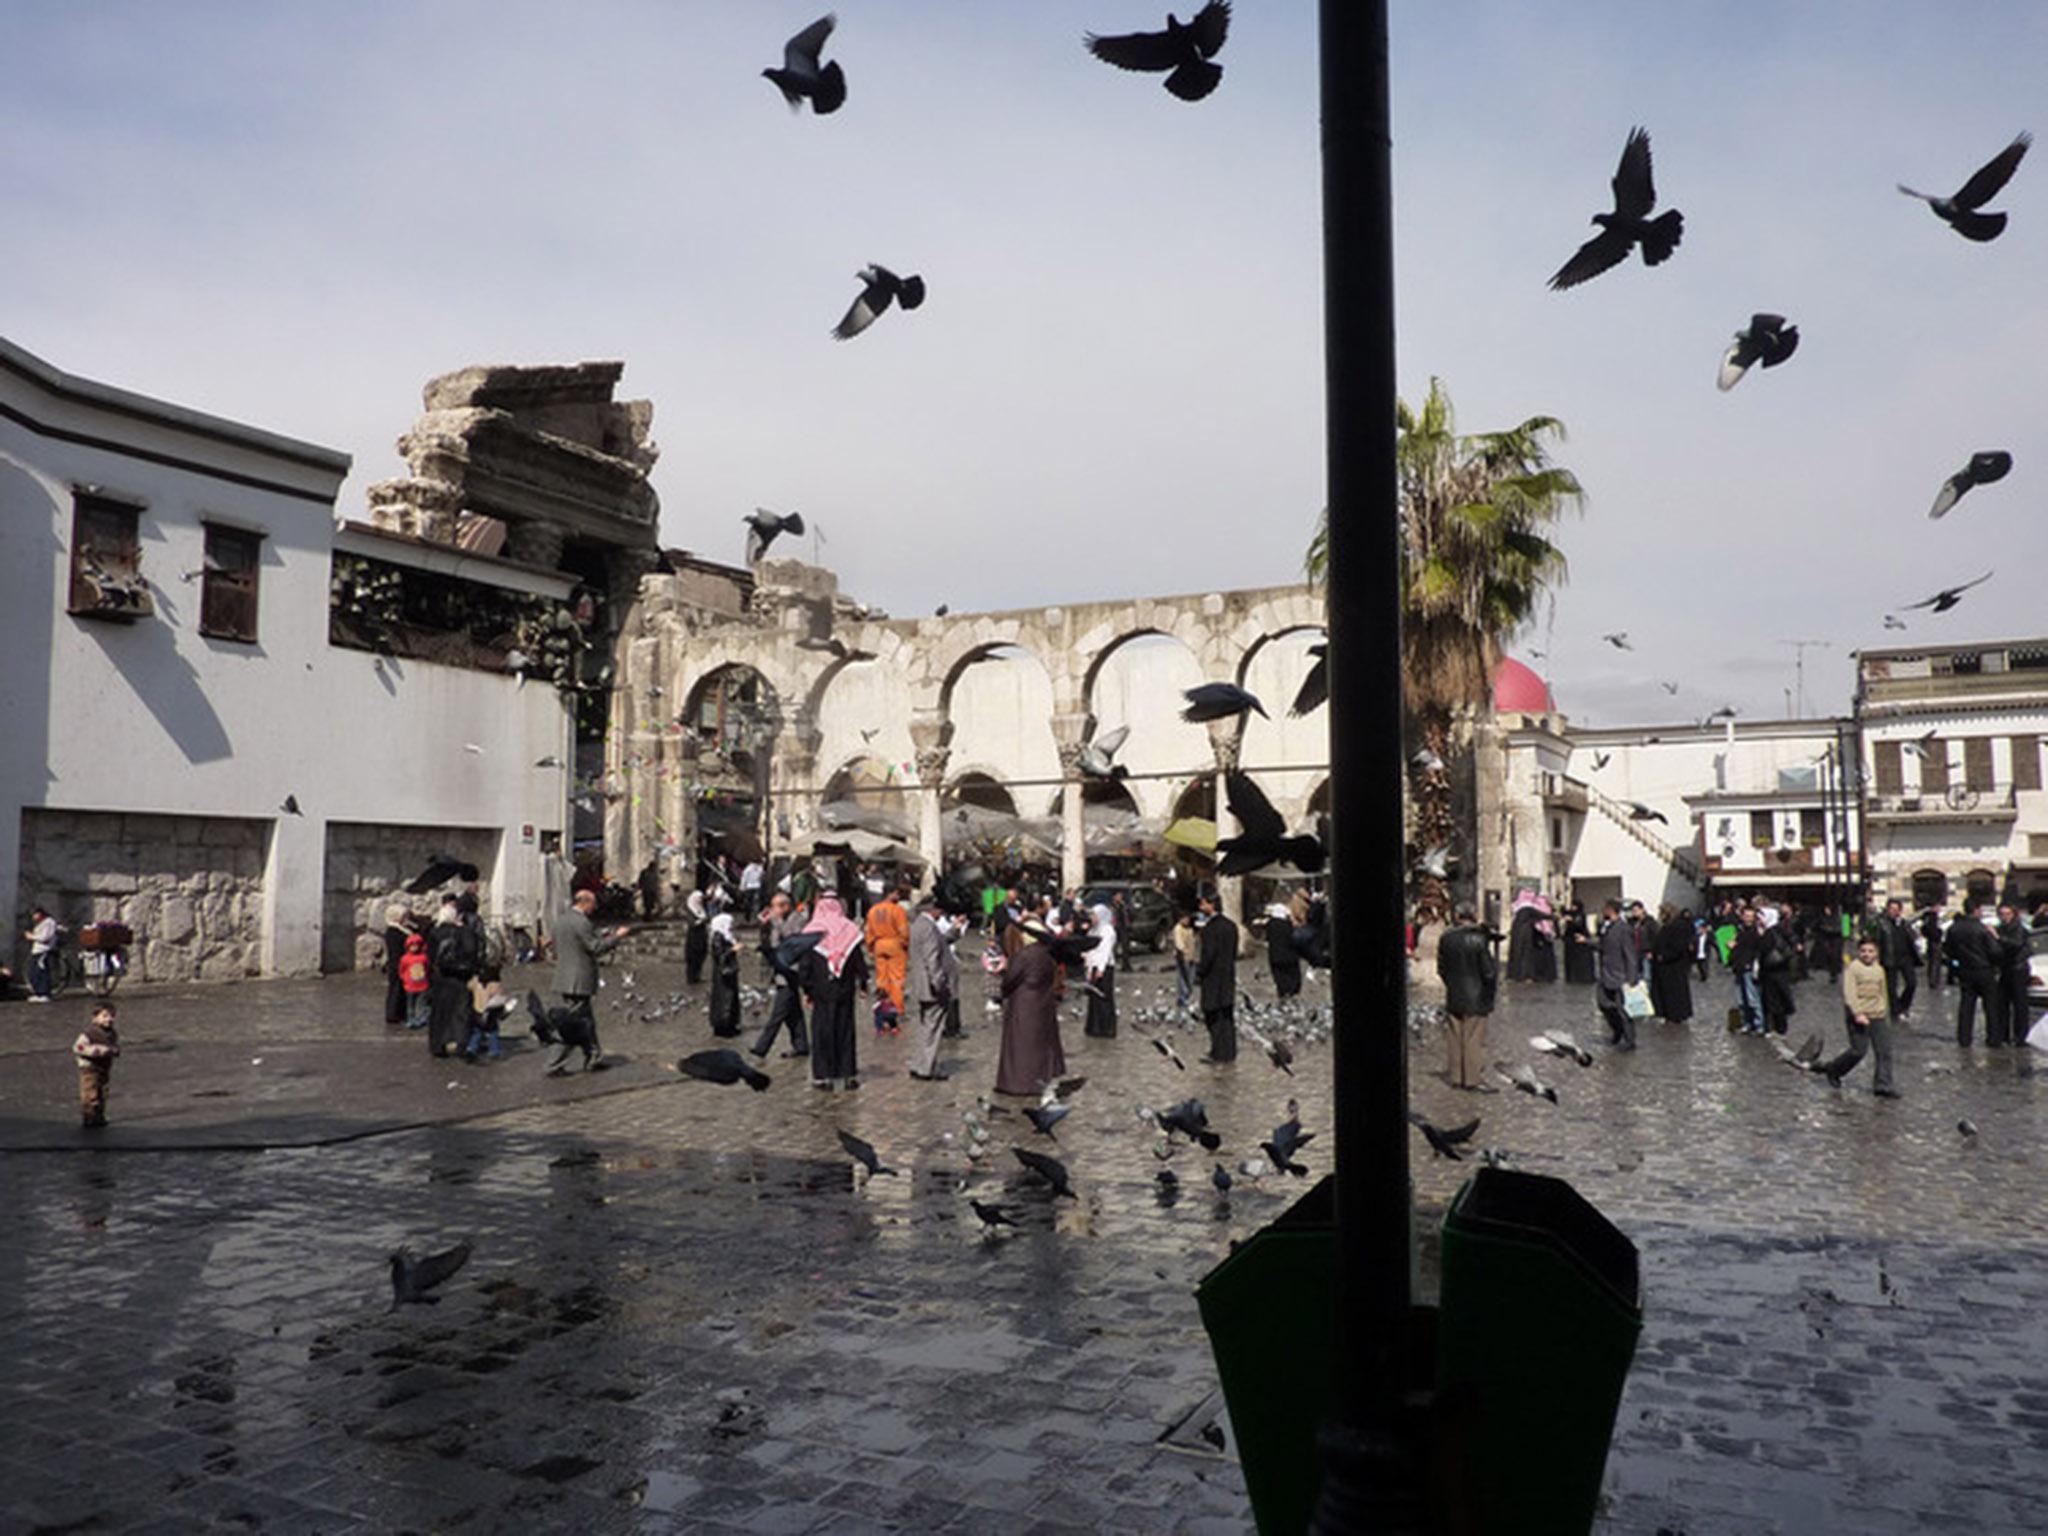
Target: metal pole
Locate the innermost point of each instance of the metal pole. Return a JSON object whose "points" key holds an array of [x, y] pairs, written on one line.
{"points": [[1372, 1479]]}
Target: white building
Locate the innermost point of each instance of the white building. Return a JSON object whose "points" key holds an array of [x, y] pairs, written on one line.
{"points": [[1952, 742], [170, 685]]}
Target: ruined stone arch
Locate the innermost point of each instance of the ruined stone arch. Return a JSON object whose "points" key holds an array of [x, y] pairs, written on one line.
{"points": [[987, 641], [979, 784], [719, 704], [1266, 637]]}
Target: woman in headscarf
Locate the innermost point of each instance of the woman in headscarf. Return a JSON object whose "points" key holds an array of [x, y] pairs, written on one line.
{"points": [[1671, 953], [1526, 942], [831, 974], [1100, 967], [1031, 1054], [1281, 955], [725, 977], [697, 937], [397, 929], [1581, 954]]}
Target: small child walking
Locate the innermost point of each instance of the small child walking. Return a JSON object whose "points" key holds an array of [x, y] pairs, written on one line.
{"points": [[94, 1050], [414, 977]]}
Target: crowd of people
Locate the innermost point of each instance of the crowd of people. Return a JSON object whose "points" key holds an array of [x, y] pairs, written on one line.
{"points": [[1642, 966]]}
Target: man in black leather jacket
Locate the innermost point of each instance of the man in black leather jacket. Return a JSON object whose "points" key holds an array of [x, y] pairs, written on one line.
{"points": [[1465, 961]]}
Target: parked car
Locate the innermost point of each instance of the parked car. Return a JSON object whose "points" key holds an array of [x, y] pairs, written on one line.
{"points": [[1148, 915]]}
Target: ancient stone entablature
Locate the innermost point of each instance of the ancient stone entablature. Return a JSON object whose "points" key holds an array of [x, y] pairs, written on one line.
{"points": [[546, 451]]}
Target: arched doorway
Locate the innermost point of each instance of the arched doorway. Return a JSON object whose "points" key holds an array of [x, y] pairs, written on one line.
{"points": [[731, 717], [1930, 889]]}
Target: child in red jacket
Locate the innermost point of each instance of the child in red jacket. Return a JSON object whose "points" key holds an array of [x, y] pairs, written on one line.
{"points": [[413, 976]]}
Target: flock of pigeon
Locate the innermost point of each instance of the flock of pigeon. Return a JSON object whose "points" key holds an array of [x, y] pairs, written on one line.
{"points": [[1769, 340]]}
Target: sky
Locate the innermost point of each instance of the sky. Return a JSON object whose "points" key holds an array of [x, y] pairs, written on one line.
{"points": [[293, 214]]}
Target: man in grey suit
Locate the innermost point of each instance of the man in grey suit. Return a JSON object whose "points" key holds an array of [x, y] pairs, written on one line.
{"points": [[1621, 964], [577, 949], [934, 982]]}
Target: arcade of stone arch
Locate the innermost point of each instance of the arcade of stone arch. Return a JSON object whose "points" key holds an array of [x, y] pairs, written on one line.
{"points": [[746, 704]]}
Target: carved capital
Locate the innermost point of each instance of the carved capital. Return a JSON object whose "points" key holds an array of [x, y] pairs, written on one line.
{"points": [[931, 765], [1226, 740]]}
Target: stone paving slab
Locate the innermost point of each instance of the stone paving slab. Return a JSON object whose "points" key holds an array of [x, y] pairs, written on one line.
{"points": [[686, 1312]]}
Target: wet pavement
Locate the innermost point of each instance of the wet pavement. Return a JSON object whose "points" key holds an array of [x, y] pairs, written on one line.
{"points": [[687, 1312]]}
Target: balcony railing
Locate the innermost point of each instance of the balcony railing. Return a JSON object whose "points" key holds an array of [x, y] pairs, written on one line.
{"points": [[1958, 802], [1562, 792]]}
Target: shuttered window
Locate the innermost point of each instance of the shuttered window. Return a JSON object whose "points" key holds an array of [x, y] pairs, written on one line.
{"points": [[1889, 756], [2026, 762], [1977, 762], [1934, 767], [227, 601], [106, 560]]}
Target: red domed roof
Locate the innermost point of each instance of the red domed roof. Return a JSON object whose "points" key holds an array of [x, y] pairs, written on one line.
{"points": [[1519, 691]]}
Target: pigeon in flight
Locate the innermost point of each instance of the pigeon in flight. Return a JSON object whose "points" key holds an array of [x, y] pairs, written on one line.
{"points": [[1637, 811], [1045, 1117], [725, 1067], [1893, 621], [1619, 640], [1425, 761], [1218, 701], [836, 648], [1287, 1139], [1634, 196], [1558, 1042], [803, 78], [992, 1216], [1601, 760], [1670, 688], [1060, 1089], [864, 1154], [1725, 712], [1436, 862], [441, 868], [1948, 597], [1095, 758], [1443, 1141], [1525, 1080], [1182, 52], [291, 806], [1984, 468], [1050, 1169], [1919, 745], [412, 1279], [764, 527], [1315, 688], [1160, 1045], [1769, 340], [1264, 839], [1960, 211], [550, 761], [883, 288], [1190, 1117]]}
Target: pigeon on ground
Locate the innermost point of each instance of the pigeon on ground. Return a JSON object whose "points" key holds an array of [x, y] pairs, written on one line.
{"points": [[1637, 811], [543, 1023], [1218, 701], [412, 1279], [1635, 194], [883, 288], [1985, 467], [1287, 1139], [1182, 52], [803, 78], [291, 806], [1050, 1169], [1220, 1177], [1190, 1117], [1095, 757], [1167, 1178], [864, 1154], [441, 868], [1960, 212], [725, 1067], [1044, 1119], [1525, 1080], [1264, 839], [1558, 1042], [1948, 597], [1160, 1045], [1443, 1141], [992, 1216], [764, 527], [1619, 640], [1769, 340], [1966, 1128], [1315, 688]]}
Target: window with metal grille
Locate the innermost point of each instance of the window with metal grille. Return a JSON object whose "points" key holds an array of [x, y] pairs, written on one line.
{"points": [[106, 559], [1762, 829], [227, 600]]}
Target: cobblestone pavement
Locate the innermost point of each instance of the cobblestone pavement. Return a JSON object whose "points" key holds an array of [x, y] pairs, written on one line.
{"points": [[685, 1312]]}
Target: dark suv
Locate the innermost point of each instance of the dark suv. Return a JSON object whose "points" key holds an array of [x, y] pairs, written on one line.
{"points": [[1147, 915]]}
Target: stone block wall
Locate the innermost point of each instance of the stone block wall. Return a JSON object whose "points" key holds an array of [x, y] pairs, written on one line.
{"points": [[368, 866], [190, 886]]}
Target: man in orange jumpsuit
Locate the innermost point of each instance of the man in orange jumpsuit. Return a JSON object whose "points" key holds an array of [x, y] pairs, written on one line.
{"points": [[888, 940]]}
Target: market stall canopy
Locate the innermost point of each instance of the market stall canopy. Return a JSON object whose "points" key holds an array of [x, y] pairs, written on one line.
{"points": [[1197, 833]]}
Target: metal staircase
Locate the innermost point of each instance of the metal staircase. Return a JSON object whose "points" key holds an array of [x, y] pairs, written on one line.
{"points": [[1684, 860]]}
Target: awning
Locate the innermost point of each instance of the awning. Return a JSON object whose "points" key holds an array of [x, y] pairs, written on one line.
{"points": [[1768, 879], [1195, 832]]}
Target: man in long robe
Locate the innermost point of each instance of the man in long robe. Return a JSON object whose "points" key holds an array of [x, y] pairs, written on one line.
{"points": [[1031, 1053], [831, 973]]}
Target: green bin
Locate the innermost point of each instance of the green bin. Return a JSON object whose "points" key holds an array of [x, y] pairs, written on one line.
{"points": [[1540, 1307]]}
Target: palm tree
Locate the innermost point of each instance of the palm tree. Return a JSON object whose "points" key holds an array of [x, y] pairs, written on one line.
{"points": [[1477, 514]]}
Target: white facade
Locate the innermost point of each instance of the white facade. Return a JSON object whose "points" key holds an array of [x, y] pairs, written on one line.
{"points": [[150, 762], [1952, 743]]}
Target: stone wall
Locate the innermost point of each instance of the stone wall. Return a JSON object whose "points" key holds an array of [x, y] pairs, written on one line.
{"points": [[368, 866], [190, 886]]}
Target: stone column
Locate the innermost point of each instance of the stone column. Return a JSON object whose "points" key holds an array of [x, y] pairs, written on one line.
{"points": [[930, 734], [1070, 734], [794, 779], [1226, 738]]}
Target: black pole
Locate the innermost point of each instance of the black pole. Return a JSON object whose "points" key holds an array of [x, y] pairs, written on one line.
{"points": [[1371, 1476]]}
